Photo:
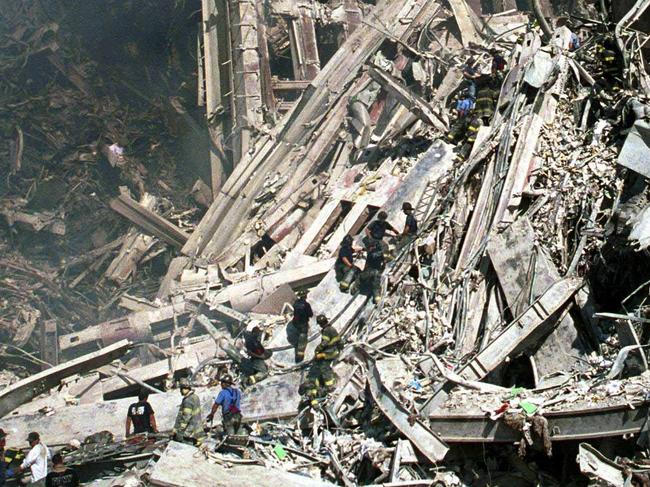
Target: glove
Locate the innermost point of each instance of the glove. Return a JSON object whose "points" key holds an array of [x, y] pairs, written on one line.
{"points": [[320, 356]]}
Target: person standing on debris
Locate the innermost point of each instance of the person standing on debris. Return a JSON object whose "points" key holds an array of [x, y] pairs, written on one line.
{"points": [[141, 415], [61, 476], [254, 368], [370, 277], [229, 398], [377, 230], [486, 98], [327, 351], [299, 327], [344, 267], [471, 74], [36, 460], [610, 63], [458, 130], [5, 471], [310, 391], [411, 224], [188, 427], [498, 63]]}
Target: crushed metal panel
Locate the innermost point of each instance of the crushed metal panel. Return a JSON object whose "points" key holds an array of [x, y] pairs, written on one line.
{"points": [[635, 153], [274, 303], [525, 273], [201, 472], [539, 69], [595, 465], [417, 432], [534, 323], [27, 389]]}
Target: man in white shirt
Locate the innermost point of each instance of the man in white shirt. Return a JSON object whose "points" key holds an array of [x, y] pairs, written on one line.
{"points": [[36, 460]]}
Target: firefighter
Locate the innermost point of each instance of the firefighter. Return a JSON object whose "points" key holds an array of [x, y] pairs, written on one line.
{"points": [[486, 98], [298, 328], [610, 64], [345, 269], [310, 391], [458, 130], [188, 427], [327, 351], [254, 367], [370, 277]]}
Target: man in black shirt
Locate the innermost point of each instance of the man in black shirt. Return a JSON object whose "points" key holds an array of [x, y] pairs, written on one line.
{"points": [[345, 269], [411, 226], [254, 367], [61, 476], [298, 328], [378, 228], [370, 278], [141, 415]]}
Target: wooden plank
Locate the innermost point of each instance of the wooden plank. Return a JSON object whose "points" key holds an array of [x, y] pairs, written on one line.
{"points": [[27, 389], [148, 220]]}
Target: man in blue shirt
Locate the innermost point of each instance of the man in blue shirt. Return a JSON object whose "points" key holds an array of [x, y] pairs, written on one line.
{"points": [[229, 398]]}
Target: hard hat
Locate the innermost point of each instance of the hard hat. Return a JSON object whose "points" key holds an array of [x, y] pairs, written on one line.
{"points": [[406, 206], [382, 215], [226, 379], [322, 320], [184, 383]]}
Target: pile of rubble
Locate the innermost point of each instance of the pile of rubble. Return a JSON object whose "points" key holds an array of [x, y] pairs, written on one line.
{"points": [[508, 327]]}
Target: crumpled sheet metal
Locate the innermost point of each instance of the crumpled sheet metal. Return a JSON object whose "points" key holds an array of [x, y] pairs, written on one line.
{"points": [[635, 154]]}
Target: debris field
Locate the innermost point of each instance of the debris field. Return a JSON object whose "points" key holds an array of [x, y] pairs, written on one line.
{"points": [[179, 175]]}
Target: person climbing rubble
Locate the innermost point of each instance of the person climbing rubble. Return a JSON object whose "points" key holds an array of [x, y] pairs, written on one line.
{"points": [[141, 416], [377, 229], [471, 73], [465, 127], [298, 328], [36, 460], [370, 277], [499, 63], [487, 97], [411, 224], [610, 64], [344, 268], [310, 392], [188, 427], [327, 351], [229, 399], [254, 368], [5, 471]]}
